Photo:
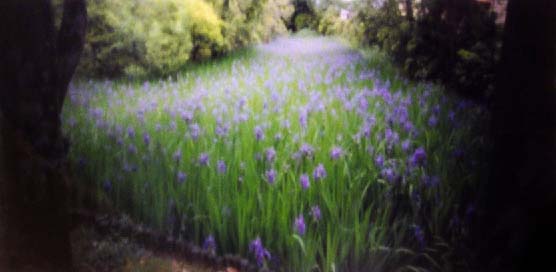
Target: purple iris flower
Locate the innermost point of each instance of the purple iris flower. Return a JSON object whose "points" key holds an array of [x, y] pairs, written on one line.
{"points": [[304, 180], [222, 129], [261, 254], [379, 161], [366, 129], [181, 177], [270, 154], [436, 109], [259, 133], [146, 139], [419, 236], [388, 174], [195, 130], [363, 105], [270, 176], [319, 172], [459, 153], [132, 149], [452, 116], [389, 135], [186, 116], [306, 150], [405, 145], [431, 181], [315, 213], [130, 132], [455, 222], [299, 225], [204, 159], [336, 153], [303, 118], [209, 244], [408, 126], [221, 165], [433, 120], [419, 157], [177, 155], [107, 186], [469, 212]]}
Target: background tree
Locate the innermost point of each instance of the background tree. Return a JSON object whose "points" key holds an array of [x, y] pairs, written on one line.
{"points": [[408, 4], [520, 196], [38, 63]]}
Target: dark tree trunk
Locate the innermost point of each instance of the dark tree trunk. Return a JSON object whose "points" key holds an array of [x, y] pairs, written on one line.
{"points": [[37, 66], [409, 10], [519, 198]]}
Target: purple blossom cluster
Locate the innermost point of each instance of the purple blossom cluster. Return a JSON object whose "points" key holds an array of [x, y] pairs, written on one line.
{"points": [[221, 166], [336, 153], [419, 157], [270, 176], [299, 225], [306, 150], [304, 181], [181, 177], [270, 154], [319, 173], [209, 244], [260, 253], [315, 213], [203, 159]]}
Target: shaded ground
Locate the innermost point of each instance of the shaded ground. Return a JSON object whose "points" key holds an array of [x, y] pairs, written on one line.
{"points": [[95, 252], [114, 247]]}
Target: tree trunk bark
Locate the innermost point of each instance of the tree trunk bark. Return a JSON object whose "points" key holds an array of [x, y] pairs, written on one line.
{"points": [[520, 197], [409, 10], [37, 66]]}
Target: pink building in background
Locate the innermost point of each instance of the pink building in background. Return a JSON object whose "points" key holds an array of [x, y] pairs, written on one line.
{"points": [[498, 7], [345, 14]]}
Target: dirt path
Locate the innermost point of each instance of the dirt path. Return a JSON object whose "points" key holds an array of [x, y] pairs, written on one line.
{"points": [[112, 252], [116, 243]]}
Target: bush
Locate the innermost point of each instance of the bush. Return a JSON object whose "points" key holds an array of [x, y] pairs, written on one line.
{"points": [[456, 45], [330, 23], [271, 20], [152, 36], [111, 43], [157, 37], [303, 20]]}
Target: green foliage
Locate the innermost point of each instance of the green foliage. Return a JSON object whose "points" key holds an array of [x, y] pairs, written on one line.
{"points": [[456, 44], [330, 22], [140, 38], [112, 43], [236, 31], [271, 20], [167, 42], [305, 15], [153, 36], [304, 20]]}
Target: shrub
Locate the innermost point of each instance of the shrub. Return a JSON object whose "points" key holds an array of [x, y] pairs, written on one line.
{"points": [[330, 23], [456, 45], [303, 20], [270, 21], [139, 38], [151, 36]]}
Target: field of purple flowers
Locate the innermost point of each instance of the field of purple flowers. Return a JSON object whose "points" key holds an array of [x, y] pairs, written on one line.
{"points": [[299, 154]]}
